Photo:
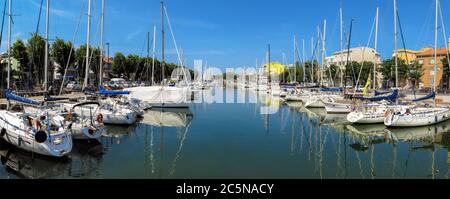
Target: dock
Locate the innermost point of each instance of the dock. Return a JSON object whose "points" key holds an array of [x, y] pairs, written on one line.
{"points": [[74, 95]]}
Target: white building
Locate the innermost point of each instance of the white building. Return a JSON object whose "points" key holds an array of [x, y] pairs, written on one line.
{"points": [[358, 54]]}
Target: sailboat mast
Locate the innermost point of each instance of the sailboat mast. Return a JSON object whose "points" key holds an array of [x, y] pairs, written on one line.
{"points": [[86, 76], [163, 64], [268, 66], [312, 60], [319, 67], [395, 44], [100, 79], [341, 45], [435, 49], [376, 48], [304, 61], [295, 58], [8, 83], [153, 55], [148, 55], [46, 48], [324, 38]]}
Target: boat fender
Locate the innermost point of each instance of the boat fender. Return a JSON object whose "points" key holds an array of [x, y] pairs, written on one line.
{"points": [[100, 118], [40, 137], [3, 132]]}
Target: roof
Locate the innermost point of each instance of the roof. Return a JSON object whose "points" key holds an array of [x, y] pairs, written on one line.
{"points": [[430, 52]]}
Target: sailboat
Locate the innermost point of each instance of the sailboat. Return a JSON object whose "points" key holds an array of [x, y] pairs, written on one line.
{"points": [[162, 96], [375, 110], [415, 116], [36, 133]]}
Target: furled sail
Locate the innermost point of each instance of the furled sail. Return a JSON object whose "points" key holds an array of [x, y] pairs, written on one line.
{"points": [[432, 95], [10, 95], [104, 91], [331, 89], [387, 97]]}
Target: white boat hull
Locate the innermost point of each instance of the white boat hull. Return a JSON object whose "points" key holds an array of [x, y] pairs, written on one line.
{"points": [[338, 108], [16, 132], [418, 117]]}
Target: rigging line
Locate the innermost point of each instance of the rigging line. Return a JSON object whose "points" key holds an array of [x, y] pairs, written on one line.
{"points": [[174, 40], [444, 33], [73, 46], [3, 22], [425, 26], [364, 55]]}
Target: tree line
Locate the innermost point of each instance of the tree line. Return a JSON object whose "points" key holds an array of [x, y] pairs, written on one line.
{"points": [[30, 55]]}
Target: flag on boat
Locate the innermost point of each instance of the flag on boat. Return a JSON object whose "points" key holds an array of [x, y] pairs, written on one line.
{"points": [[368, 83]]}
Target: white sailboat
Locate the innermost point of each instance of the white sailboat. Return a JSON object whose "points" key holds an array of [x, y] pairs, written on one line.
{"points": [[374, 113], [415, 116], [35, 133], [162, 96]]}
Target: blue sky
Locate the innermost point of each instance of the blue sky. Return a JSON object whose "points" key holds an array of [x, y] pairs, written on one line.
{"points": [[230, 33]]}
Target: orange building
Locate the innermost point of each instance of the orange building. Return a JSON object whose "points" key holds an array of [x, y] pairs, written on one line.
{"points": [[426, 58]]}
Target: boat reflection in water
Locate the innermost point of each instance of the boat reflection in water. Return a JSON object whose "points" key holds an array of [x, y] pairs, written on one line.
{"points": [[162, 123], [85, 160]]}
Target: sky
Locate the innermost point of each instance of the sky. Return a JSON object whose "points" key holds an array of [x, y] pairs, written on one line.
{"points": [[229, 33]]}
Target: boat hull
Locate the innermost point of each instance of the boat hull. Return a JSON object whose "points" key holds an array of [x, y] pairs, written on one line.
{"points": [[16, 132], [419, 117]]}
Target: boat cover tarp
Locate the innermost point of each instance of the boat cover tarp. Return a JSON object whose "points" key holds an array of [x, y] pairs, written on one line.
{"points": [[104, 91], [49, 98], [331, 89], [391, 97], [10, 95], [429, 96], [378, 93]]}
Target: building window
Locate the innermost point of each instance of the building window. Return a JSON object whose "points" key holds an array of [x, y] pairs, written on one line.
{"points": [[420, 61], [432, 61]]}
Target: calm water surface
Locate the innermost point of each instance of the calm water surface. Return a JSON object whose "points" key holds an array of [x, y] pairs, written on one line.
{"points": [[236, 141]]}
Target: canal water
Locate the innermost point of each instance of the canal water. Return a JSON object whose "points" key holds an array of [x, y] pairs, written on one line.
{"points": [[234, 140]]}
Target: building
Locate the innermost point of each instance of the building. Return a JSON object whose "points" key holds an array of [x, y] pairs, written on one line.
{"points": [[426, 58], [409, 56], [359, 54]]}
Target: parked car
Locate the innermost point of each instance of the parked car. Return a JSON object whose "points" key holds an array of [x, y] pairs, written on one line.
{"points": [[73, 86]]}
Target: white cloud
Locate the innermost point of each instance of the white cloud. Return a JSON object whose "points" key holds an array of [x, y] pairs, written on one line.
{"points": [[58, 12]]}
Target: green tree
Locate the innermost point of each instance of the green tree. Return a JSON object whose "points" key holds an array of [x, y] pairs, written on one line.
{"points": [[60, 54], [36, 53], [19, 51], [415, 73], [118, 65], [80, 61], [388, 71]]}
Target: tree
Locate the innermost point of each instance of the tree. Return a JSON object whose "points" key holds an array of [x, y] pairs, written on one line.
{"points": [[118, 65], [415, 73], [60, 54], [388, 71], [36, 54], [19, 51], [80, 61], [131, 64]]}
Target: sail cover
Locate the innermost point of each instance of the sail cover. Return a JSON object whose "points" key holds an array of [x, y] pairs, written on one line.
{"points": [[432, 95], [10, 95], [378, 93], [331, 89], [387, 97], [104, 91], [49, 98]]}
